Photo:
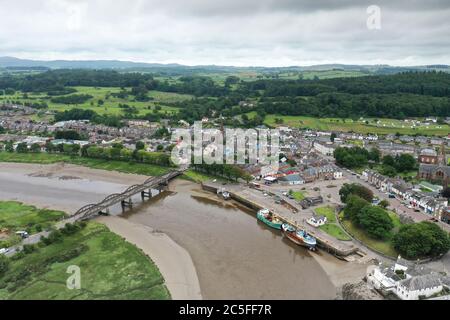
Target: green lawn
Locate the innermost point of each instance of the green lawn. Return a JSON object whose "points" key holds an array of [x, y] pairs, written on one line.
{"points": [[327, 212], [110, 268], [298, 195], [112, 165], [383, 126], [16, 216], [335, 231], [331, 227]]}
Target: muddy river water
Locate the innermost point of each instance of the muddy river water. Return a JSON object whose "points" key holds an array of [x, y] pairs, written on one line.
{"points": [[235, 256]]}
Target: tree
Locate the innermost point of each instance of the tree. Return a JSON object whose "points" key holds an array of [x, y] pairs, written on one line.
{"points": [[354, 206], [423, 239], [446, 192], [22, 147], [388, 160], [4, 265], [35, 148], [140, 145], [375, 221], [9, 146], [384, 204], [356, 189], [333, 136], [375, 155], [405, 162]]}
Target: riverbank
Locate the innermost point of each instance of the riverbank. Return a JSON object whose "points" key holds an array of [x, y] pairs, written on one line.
{"points": [[104, 164], [67, 187], [232, 254], [174, 262]]}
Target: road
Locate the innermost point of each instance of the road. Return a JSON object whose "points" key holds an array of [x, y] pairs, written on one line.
{"points": [[395, 204]]}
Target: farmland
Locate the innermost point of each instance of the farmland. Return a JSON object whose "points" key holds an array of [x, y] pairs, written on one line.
{"points": [[103, 102], [365, 125]]}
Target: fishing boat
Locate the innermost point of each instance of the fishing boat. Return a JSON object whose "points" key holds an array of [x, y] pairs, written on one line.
{"points": [[268, 218], [299, 236]]}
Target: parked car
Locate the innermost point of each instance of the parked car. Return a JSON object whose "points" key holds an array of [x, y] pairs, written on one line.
{"points": [[23, 234]]}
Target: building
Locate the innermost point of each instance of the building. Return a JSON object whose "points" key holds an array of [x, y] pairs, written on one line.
{"points": [[408, 281], [326, 149], [317, 221], [292, 179], [428, 156]]}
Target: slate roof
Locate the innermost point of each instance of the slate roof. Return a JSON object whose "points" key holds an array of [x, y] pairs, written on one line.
{"points": [[422, 282]]}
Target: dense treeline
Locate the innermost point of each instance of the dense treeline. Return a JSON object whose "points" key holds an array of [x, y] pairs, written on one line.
{"points": [[87, 114], [57, 81], [344, 105], [72, 99], [435, 84]]}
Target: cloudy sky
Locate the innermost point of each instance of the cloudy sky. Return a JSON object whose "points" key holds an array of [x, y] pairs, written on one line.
{"points": [[232, 32]]}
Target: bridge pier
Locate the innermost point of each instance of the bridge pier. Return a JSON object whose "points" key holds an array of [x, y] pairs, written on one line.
{"points": [[127, 203], [146, 194], [104, 213]]}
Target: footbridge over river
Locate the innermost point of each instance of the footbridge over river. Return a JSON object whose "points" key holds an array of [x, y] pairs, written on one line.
{"points": [[91, 210]]}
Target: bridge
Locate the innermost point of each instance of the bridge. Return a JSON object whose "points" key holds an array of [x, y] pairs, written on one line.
{"points": [[91, 210]]}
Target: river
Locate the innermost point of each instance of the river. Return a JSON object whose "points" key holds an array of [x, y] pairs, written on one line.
{"points": [[235, 256]]}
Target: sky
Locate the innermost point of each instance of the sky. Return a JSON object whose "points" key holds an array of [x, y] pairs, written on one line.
{"points": [[233, 32]]}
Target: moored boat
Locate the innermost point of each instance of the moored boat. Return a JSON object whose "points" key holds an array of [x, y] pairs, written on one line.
{"points": [[269, 219], [299, 236]]}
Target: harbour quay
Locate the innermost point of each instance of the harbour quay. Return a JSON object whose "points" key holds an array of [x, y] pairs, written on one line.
{"points": [[287, 211]]}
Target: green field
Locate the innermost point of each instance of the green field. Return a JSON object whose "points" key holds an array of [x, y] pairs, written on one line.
{"points": [[331, 227], [15, 216], [112, 165], [110, 269], [382, 126], [111, 104]]}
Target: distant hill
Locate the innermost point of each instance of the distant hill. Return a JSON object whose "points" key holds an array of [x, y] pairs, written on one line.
{"points": [[13, 63]]}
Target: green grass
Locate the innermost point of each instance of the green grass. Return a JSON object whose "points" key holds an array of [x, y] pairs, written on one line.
{"points": [[110, 268], [331, 227], [298, 195], [335, 231], [16, 216], [199, 177], [111, 165], [384, 126], [111, 104], [327, 212], [384, 246]]}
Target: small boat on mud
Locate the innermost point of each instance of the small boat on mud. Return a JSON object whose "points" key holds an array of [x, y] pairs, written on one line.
{"points": [[225, 194], [269, 219], [299, 236]]}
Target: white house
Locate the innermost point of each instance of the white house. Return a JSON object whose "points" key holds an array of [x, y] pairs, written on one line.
{"points": [[317, 221], [326, 149], [407, 281]]}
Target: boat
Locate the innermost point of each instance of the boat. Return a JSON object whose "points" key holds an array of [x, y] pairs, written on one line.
{"points": [[299, 236], [269, 219], [226, 195]]}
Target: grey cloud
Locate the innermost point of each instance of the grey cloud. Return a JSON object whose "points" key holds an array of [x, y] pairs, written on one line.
{"points": [[241, 32]]}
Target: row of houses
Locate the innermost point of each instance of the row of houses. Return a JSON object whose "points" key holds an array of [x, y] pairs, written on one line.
{"points": [[429, 202]]}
